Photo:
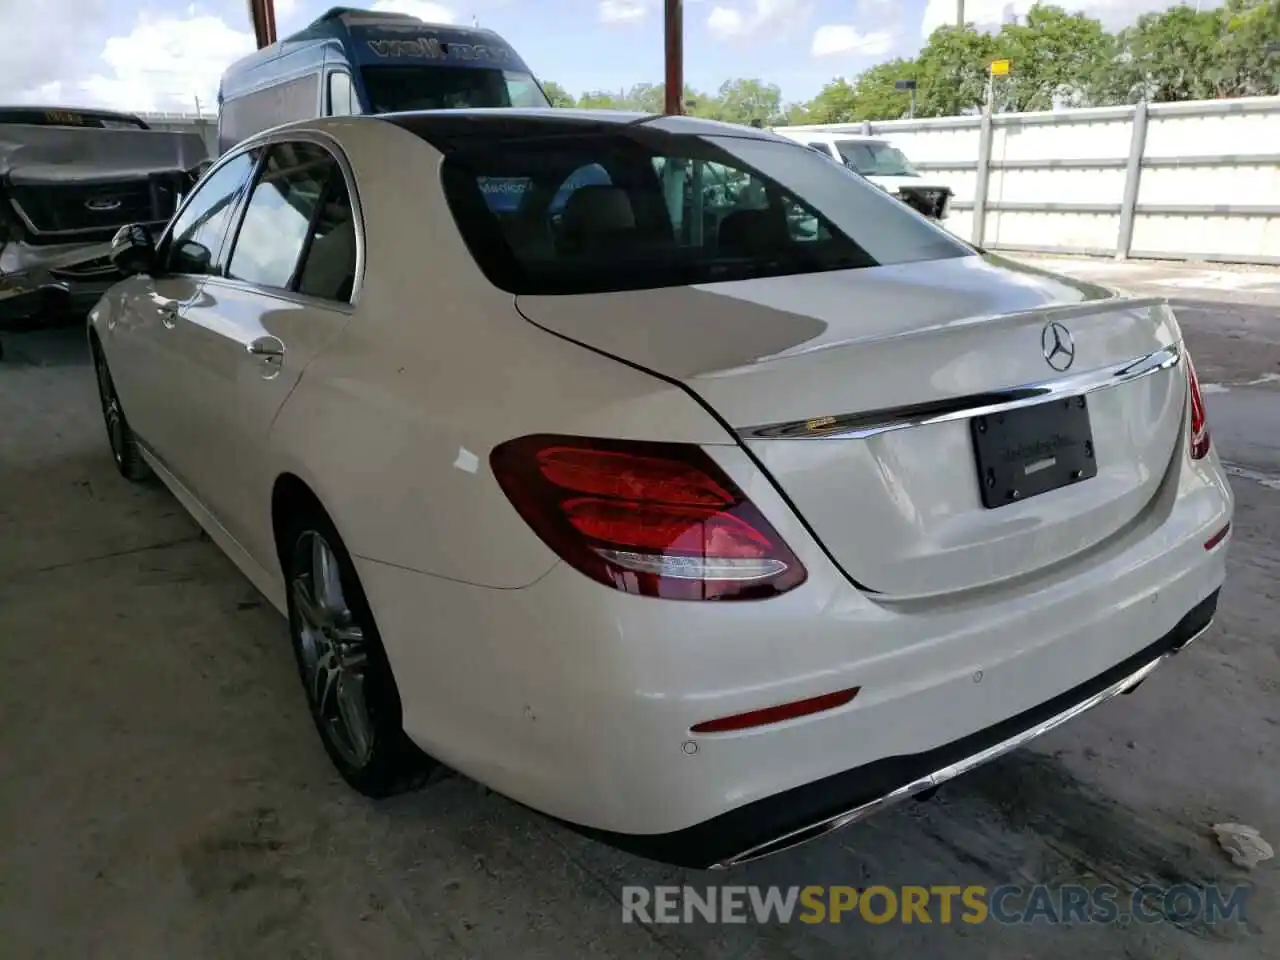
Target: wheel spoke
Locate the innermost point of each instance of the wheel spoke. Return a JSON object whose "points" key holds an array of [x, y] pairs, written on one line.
{"points": [[354, 714], [326, 577], [308, 610], [323, 680]]}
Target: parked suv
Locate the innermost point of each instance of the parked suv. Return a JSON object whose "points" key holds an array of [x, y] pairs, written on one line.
{"points": [[69, 179]]}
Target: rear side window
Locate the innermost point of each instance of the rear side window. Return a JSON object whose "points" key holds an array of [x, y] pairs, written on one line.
{"points": [[643, 209], [298, 232]]}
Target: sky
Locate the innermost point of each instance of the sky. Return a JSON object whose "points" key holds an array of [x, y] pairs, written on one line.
{"points": [[147, 55]]}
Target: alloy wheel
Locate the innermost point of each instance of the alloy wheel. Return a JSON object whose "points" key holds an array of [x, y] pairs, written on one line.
{"points": [[333, 650], [110, 410]]}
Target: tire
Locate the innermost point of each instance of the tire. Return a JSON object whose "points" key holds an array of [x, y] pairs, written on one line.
{"points": [[345, 674], [120, 437]]}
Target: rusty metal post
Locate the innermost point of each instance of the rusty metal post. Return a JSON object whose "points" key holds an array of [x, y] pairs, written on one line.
{"points": [[262, 13], [674, 33]]}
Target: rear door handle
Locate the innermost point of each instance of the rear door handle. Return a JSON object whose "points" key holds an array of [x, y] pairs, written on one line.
{"points": [[269, 351], [266, 347]]}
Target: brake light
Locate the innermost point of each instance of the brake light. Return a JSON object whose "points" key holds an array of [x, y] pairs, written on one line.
{"points": [[655, 519], [1199, 419]]}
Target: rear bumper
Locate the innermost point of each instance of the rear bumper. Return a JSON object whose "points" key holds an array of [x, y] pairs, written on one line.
{"points": [[579, 701], [804, 813]]}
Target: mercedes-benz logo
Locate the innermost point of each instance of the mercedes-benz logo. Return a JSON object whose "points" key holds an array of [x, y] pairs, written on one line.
{"points": [[1058, 346]]}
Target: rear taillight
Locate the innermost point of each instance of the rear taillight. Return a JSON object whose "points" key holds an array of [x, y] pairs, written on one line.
{"points": [[1199, 419], [656, 519]]}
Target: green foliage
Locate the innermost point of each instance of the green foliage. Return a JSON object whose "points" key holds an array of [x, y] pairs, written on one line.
{"points": [[952, 71], [1058, 59], [558, 95]]}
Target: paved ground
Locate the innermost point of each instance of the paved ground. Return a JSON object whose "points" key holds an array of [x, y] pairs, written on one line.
{"points": [[162, 793]]}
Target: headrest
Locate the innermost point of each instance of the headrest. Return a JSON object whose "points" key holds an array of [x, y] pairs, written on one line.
{"points": [[744, 233], [598, 208]]}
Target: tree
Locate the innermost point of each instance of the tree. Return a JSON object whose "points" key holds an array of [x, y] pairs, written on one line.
{"points": [[1054, 56], [835, 103], [952, 71], [742, 101], [1058, 59], [1165, 56], [645, 98], [557, 95], [875, 93], [1244, 67], [796, 114], [600, 100]]}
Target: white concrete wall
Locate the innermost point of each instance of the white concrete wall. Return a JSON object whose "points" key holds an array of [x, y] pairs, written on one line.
{"points": [[1207, 186], [207, 127]]}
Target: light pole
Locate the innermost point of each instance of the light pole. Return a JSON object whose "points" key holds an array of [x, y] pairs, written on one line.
{"points": [[959, 14], [674, 36], [908, 85]]}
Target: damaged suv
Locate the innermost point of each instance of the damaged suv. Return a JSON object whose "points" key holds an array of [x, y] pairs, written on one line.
{"points": [[68, 180]]}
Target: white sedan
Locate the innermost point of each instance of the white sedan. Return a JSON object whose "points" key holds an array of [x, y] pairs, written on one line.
{"points": [[705, 521]]}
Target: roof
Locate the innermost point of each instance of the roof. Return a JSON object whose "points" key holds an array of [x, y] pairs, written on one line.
{"points": [[446, 126], [367, 37]]}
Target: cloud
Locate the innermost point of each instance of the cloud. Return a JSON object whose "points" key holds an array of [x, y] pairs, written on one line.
{"points": [[760, 16], [623, 11], [37, 52], [166, 63], [832, 39], [422, 9], [725, 23], [1114, 14]]}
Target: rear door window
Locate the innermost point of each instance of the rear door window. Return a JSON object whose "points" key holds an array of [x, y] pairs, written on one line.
{"points": [[278, 215]]}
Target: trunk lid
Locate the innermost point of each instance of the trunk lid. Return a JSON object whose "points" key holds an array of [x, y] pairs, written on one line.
{"points": [[856, 389]]}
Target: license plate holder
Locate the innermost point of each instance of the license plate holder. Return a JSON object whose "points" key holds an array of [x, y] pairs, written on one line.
{"points": [[1029, 451]]}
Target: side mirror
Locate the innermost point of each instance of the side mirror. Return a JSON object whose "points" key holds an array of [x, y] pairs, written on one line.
{"points": [[133, 250]]}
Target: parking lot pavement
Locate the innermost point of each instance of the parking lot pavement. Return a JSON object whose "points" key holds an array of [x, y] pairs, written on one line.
{"points": [[163, 794]]}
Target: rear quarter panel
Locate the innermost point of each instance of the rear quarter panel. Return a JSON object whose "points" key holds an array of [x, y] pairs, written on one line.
{"points": [[392, 427]]}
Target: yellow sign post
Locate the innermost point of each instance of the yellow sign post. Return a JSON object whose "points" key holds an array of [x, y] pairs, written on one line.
{"points": [[999, 68]]}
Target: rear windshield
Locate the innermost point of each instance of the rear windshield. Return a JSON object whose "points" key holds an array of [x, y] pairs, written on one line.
{"points": [[872, 158], [643, 209], [396, 89]]}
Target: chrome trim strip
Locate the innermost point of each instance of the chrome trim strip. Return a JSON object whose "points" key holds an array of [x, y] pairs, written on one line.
{"points": [[860, 426], [938, 777]]}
